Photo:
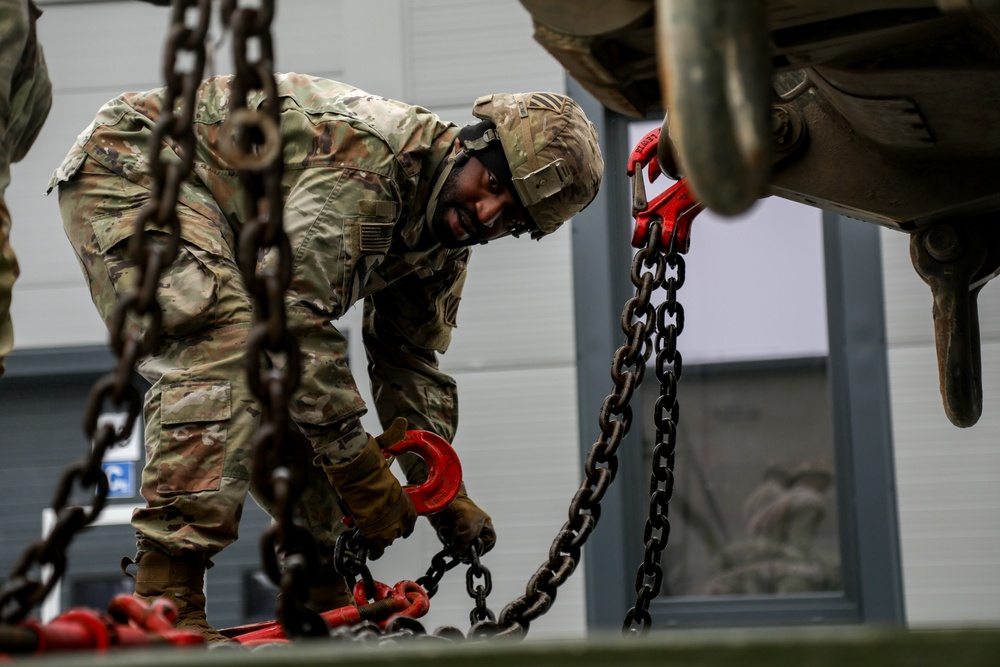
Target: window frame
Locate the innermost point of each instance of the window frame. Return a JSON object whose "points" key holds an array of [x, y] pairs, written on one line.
{"points": [[858, 375]]}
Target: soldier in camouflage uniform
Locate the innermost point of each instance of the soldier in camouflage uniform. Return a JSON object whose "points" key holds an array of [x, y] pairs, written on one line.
{"points": [[25, 98], [382, 201]]}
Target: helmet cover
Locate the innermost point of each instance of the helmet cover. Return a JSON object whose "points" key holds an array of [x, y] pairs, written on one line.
{"points": [[552, 150]]}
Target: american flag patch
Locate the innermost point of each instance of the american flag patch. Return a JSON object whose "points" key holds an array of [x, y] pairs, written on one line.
{"points": [[548, 101], [376, 237]]}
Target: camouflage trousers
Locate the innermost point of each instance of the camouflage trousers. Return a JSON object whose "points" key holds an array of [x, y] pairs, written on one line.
{"points": [[8, 273], [200, 416]]}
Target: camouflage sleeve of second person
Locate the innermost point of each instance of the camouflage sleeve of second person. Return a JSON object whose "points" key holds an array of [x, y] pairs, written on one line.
{"points": [[25, 89], [406, 325]]}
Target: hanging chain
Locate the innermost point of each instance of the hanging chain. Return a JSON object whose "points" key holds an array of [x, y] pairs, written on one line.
{"points": [[481, 613], [649, 578], [252, 143], [136, 322], [638, 322]]}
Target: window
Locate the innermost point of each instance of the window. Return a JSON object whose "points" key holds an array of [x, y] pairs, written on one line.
{"points": [[754, 505], [95, 592]]}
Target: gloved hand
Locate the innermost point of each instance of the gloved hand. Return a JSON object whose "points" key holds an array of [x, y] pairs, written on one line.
{"points": [[381, 509], [461, 522]]}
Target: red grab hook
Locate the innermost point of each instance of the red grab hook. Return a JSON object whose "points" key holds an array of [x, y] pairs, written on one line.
{"points": [[444, 471], [444, 476], [676, 207]]}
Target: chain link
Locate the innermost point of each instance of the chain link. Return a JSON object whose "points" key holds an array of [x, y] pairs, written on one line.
{"points": [[479, 591], [669, 324], [136, 322], [252, 143], [446, 560], [351, 561]]}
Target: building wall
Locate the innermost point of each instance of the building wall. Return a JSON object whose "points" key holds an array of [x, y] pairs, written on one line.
{"points": [[513, 354], [949, 495]]}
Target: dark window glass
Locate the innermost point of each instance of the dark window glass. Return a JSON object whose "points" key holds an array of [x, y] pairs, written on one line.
{"points": [[95, 592]]}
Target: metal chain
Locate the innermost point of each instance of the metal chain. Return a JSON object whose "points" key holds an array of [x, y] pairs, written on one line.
{"points": [[446, 560], [479, 591], [615, 419], [252, 144], [649, 578], [350, 560], [442, 562], [136, 322]]}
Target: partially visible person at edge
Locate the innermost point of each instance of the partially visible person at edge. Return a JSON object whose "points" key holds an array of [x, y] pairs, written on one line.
{"points": [[382, 203], [25, 98]]}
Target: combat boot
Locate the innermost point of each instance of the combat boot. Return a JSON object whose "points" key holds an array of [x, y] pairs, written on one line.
{"points": [[182, 581]]}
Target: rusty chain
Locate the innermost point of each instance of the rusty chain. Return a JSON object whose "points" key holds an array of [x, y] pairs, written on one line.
{"points": [[669, 324], [136, 322], [252, 144]]}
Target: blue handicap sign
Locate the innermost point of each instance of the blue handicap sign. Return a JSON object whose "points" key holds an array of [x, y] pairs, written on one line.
{"points": [[121, 478]]}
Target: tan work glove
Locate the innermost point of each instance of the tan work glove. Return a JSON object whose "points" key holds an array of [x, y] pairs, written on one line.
{"points": [[461, 522], [381, 509]]}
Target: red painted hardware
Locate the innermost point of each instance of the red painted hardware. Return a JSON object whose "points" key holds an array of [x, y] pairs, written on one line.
{"points": [[407, 598], [676, 207], [128, 624], [445, 470], [444, 476]]}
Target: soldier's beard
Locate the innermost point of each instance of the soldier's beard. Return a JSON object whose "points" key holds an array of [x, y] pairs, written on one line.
{"points": [[438, 226]]}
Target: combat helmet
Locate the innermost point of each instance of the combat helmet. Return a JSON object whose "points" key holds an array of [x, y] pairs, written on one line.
{"points": [[551, 147]]}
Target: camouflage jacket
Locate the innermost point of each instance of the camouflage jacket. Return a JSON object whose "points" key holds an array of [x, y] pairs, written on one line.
{"points": [[411, 295]]}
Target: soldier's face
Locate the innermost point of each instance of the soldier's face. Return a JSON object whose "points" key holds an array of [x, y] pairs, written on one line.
{"points": [[474, 207]]}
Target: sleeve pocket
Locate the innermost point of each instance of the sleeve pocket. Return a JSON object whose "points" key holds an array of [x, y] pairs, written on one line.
{"points": [[194, 421]]}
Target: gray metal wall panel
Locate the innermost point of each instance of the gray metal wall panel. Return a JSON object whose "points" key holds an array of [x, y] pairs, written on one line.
{"points": [[949, 496], [458, 51], [517, 307]]}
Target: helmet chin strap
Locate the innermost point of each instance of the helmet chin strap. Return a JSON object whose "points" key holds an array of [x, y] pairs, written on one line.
{"points": [[453, 162]]}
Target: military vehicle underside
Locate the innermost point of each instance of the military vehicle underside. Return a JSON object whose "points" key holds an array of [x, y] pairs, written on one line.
{"points": [[883, 110]]}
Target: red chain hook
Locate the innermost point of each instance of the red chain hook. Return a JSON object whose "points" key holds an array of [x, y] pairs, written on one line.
{"points": [[129, 623], [676, 207], [444, 471]]}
